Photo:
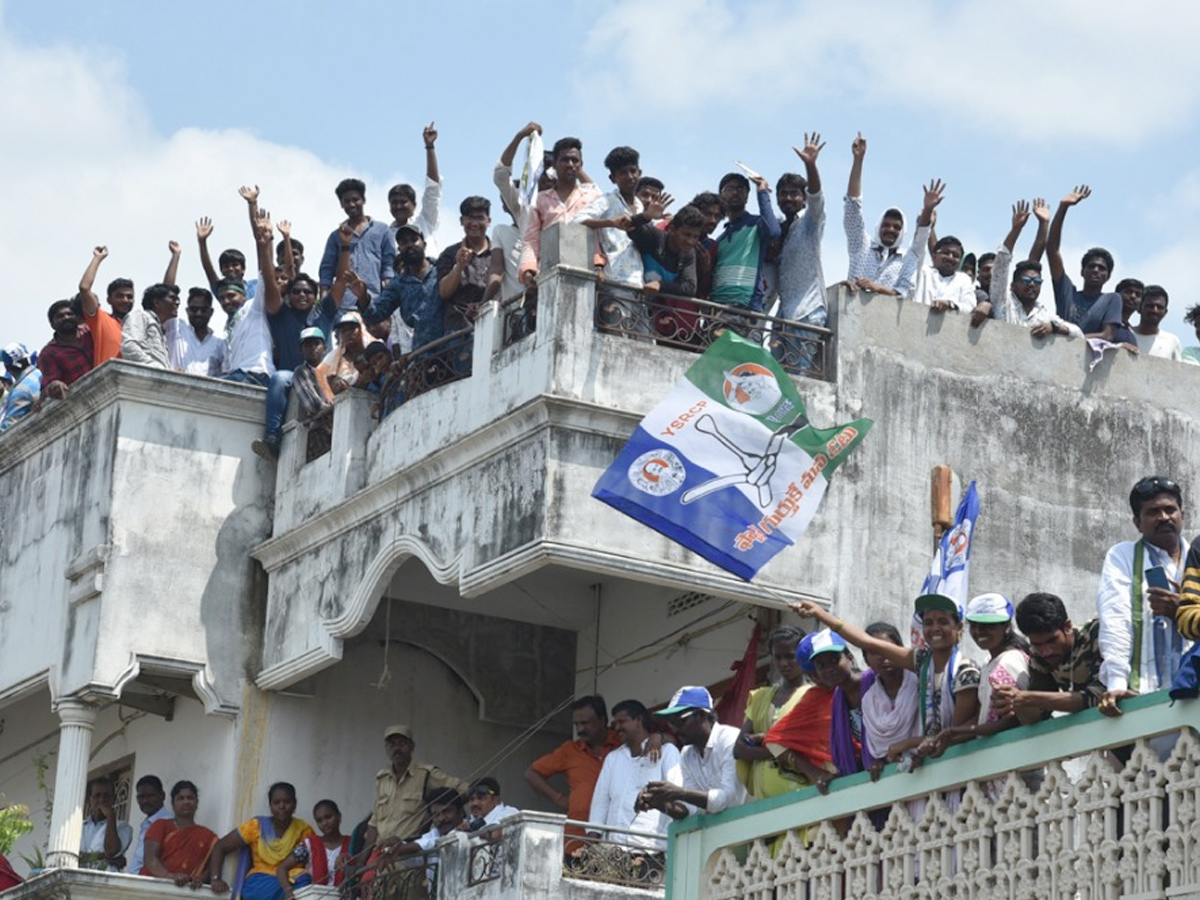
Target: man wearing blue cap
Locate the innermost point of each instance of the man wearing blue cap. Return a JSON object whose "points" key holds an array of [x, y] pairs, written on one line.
{"points": [[710, 781]]}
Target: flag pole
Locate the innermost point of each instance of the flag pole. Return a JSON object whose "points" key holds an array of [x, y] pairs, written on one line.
{"points": [[940, 484]]}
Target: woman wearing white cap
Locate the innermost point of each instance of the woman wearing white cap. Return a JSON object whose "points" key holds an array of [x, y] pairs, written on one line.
{"points": [[990, 618]]}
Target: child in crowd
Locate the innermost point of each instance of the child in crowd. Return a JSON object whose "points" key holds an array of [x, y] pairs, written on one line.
{"points": [[323, 856]]}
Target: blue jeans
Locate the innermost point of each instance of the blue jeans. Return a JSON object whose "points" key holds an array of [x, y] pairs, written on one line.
{"points": [[277, 400], [241, 376]]}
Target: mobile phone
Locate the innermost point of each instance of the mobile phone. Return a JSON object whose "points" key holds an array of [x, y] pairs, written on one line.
{"points": [[1156, 577]]}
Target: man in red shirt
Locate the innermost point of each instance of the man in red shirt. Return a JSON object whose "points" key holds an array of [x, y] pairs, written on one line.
{"points": [[68, 355], [580, 760]]}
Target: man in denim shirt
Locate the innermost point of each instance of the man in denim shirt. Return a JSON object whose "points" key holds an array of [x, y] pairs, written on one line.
{"points": [[360, 244]]}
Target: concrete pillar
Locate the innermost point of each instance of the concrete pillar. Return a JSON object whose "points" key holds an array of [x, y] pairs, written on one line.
{"points": [[70, 781]]}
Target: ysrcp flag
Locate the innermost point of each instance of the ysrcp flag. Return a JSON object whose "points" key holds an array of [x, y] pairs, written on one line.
{"points": [[951, 561], [728, 464], [531, 171]]}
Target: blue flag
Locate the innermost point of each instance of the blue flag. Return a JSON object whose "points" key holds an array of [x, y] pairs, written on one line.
{"points": [[948, 574]]}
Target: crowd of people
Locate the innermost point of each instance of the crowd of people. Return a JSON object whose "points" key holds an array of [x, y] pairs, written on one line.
{"points": [[621, 780], [384, 293]]}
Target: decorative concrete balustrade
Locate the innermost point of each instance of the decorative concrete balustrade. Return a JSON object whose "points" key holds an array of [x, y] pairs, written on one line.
{"points": [[1092, 828]]}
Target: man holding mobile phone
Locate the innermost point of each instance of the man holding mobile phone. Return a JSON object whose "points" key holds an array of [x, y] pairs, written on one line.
{"points": [[1138, 597]]}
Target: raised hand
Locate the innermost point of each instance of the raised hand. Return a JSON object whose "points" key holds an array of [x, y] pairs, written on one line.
{"points": [[249, 194], [463, 257], [100, 253], [1020, 213], [429, 133], [204, 228], [761, 183], [859, 148], [657, 209], [1041, 210], [526, 131], [357, 286], [346, 234], [1081, 192], [805, 610], [285, 228], [173, 246], [934, 194], [812, 148], [263, 224]]}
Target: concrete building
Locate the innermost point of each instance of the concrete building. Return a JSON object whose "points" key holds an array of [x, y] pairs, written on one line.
{"points": [[171, 604]]}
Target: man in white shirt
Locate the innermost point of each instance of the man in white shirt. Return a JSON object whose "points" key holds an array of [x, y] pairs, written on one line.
{"points": [[1151, 340], [193, 346], [710, 781], [151, 800], [486, 807], [105, 838], [626, 771], [1139, 641], [402, 199], [446, 809], [1019, 302]]}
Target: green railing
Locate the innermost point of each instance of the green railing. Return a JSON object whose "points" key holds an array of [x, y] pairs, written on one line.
{"points": [[1094, 828]]}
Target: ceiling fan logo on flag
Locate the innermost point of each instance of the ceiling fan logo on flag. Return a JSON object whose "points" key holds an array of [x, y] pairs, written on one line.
{"points": [[658, 473], [752, 388]]}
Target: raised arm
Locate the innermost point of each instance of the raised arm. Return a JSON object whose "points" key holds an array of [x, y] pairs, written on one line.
{"points": [[250, 195], [858, 150], [495, 276], [289, 257], [1020, 215], [431, 166], [900, 656], [510, 152], [91, 303], [1042, 213], [264, 236], [172, 273], [1054, 241], [812, 149], [204, 228]]}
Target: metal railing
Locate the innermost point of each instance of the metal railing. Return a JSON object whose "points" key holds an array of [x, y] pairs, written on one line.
{"points": [[693, 324], [409, 877], [614, 855], [519, 317], [449, 358]]}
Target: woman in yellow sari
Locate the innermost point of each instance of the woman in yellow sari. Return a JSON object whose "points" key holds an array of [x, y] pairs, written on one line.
{"points": [[265, 842], [766, 706]]}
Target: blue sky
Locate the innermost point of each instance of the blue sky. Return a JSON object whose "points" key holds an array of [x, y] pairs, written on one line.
{"points": [[125, 122]]}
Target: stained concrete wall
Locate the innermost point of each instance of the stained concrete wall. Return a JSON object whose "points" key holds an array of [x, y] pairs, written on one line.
{"points": [[129, 510]]}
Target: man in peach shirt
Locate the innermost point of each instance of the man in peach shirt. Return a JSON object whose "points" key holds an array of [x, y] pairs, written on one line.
{"points": [[569, 200]]}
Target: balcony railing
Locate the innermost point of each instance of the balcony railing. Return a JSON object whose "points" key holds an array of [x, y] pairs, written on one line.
{"points": [[692, 324], [1076, 807], [520, 317]]}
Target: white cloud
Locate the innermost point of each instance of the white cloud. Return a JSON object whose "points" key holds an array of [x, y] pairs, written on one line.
{"points": [[80, 165], [1029, 69]]}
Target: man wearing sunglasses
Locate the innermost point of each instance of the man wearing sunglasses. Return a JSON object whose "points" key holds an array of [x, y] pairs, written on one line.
{"points": [[1138, 597], [1019, 303]]}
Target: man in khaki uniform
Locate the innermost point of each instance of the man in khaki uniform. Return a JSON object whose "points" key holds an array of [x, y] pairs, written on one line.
{"points": [[400, 811]]}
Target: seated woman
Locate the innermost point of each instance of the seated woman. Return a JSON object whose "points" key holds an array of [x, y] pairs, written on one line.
{"points": [[756, 766], [178, 848], [323, 856], [265, 842]]}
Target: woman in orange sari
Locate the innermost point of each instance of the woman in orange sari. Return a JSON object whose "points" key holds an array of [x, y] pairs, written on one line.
{"points": [[178, 848]]}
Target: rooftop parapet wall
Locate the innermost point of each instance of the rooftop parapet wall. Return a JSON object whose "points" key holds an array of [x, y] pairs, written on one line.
{"points": [[129, 512]]}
